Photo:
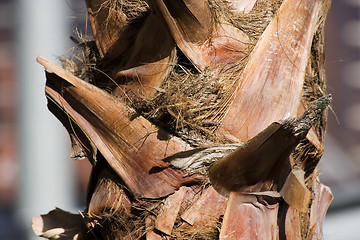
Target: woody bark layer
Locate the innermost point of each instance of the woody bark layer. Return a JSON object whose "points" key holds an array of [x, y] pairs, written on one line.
{"points": [[272, 82], [131, 146], [141, 44]]}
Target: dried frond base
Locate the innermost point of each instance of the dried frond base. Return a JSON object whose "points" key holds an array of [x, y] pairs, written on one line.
{"points": [[171, 88], [190, 104]]}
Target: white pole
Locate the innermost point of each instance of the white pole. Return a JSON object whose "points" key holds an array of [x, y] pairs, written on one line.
{"points": [[46, 176]]}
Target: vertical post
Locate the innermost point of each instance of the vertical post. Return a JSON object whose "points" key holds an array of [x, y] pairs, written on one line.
{"points": [[45, 179]]}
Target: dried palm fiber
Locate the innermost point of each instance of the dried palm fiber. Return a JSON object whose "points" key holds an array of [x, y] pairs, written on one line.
{"points": [[131, 49], [186, 74], [192, 102]]}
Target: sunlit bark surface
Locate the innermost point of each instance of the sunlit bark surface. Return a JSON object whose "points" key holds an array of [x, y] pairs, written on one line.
{"points": [[202, 119]]}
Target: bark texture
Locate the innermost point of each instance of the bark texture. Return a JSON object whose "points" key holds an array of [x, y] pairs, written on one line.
{"points": [[202, 119]]}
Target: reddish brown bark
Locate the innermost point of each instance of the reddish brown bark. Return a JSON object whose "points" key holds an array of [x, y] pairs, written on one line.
{"points": [[199, 121]]}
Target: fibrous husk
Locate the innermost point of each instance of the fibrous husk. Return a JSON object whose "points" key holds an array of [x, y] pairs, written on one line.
{"points": [[90, 112], [170, 93]]}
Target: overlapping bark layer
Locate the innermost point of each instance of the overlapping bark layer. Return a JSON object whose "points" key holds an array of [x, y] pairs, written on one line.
{"points": [[193, 117]]}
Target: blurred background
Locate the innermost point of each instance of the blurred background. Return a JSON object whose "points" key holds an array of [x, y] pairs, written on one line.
{"points": [[32, 141]]}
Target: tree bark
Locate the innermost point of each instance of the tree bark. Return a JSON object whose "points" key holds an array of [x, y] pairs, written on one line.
{"points": [[201, 119]]}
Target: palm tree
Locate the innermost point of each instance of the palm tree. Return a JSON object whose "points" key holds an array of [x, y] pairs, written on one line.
{"points": [[202, 119]]}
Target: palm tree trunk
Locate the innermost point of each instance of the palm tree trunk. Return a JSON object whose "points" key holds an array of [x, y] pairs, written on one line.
{"points": [[203, 119]]}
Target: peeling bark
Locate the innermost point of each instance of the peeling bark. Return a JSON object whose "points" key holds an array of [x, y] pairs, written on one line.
{"points": [[201, 119]]}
